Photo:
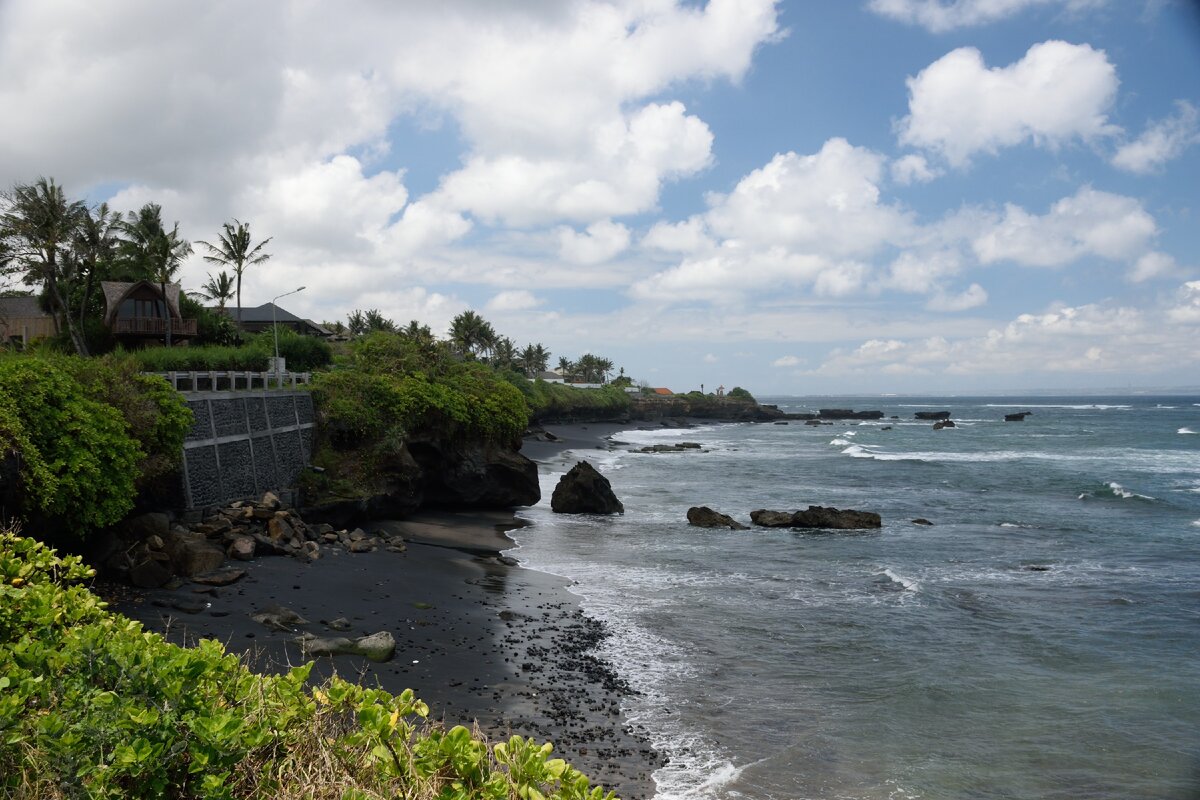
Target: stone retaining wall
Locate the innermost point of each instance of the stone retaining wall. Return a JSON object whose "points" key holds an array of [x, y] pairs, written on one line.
{"points": [[245, 443]]}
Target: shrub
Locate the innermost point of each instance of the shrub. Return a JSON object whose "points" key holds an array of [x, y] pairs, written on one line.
{"points": [[92, 705], [739, 393], [76, 460], [156, 415]]}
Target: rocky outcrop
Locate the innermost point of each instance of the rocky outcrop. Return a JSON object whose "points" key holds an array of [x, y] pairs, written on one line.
{"points": [[846, 413], [705, 517], [475, 475], [931, 415], [669, 448], [583, 490], [945, 423], [1017, 417], [816, 517]]}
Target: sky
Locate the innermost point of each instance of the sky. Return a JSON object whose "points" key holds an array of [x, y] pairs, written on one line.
{"points": [[863, 196]]}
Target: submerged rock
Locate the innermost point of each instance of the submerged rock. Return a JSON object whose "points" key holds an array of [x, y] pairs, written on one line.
{"points": [[583, 490], [705, 517]]}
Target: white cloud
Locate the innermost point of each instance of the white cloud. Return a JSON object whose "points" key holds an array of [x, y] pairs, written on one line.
{"points": [[1161, 142], [513, 300], [1154, 264], [912, 168], [827, 202], [1058, 92], [972, 297], [786, 361], [800, 221], [710, 358], [600, 242], [688, 236], [1187, 309], [940, 16], [922, 272], [1083, 339], [1090, 222]]}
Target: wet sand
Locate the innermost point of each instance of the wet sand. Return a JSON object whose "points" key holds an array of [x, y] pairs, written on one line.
{"points": [[478, 638]]}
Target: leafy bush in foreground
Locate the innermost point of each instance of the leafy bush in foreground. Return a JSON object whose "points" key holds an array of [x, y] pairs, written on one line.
{"points": [[72, 456], [92, 705]]}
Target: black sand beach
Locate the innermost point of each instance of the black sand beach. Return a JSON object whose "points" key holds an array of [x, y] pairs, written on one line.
{"points": [[479, 639]]}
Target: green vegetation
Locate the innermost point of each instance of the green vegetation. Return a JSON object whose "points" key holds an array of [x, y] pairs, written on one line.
{"points": [[560, 401], [302, 353], [394, 385], [738, 393], [83, 436], [92, 705]]}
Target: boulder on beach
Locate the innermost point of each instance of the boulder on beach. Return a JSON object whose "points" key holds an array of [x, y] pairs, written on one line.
{"points": [[379, 646], [932, 415], [816, 517], [705, 517], [280, 618], [583, 490]]}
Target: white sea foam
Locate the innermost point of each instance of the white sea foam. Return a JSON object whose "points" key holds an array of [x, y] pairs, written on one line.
{"points": [[839, 442], [1085, 406], [1186, 430], [1014, 525], [1196, 523], [1123, 493], [909, 584]]}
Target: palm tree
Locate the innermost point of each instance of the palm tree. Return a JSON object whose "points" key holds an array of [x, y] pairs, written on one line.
{"points": [[154, 253], [37, 227], [565, 367], [471, 334], [541, 358], [504, 353], [233, 250], [219, 289], [95, 249], [603, 367]]}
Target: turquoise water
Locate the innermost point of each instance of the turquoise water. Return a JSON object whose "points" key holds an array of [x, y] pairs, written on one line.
{"points": [[1040, 640]]}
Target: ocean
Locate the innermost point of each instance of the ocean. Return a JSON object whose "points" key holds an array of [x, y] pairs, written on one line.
{"points": [[1041, 639]]}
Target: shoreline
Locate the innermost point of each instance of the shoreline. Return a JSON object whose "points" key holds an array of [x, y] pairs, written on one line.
{"points": [[479, 638]]}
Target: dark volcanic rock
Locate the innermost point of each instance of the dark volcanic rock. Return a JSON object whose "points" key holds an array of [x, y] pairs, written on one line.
{"points": [[846, 413], [816, 517], [705, 517], [766, 518], [822, 517], [474, 475], [921, 521], [1018, 417], [945, 423], [932, 415], [583, 490]]}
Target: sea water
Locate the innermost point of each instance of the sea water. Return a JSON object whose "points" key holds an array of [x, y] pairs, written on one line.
{"points": [[1041, 639]]}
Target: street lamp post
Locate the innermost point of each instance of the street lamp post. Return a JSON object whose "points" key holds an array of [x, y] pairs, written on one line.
{"points": [[275, 328]]}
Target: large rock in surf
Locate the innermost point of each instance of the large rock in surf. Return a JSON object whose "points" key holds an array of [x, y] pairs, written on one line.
{"points": [[945, 423], [583, 490], [932, 415], [816, 517], [847, 413], [705, 517], [1017, 417]]}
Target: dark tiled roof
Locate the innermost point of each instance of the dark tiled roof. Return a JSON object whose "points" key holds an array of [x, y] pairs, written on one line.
{"points": [[262, 313], [14, 307]]}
